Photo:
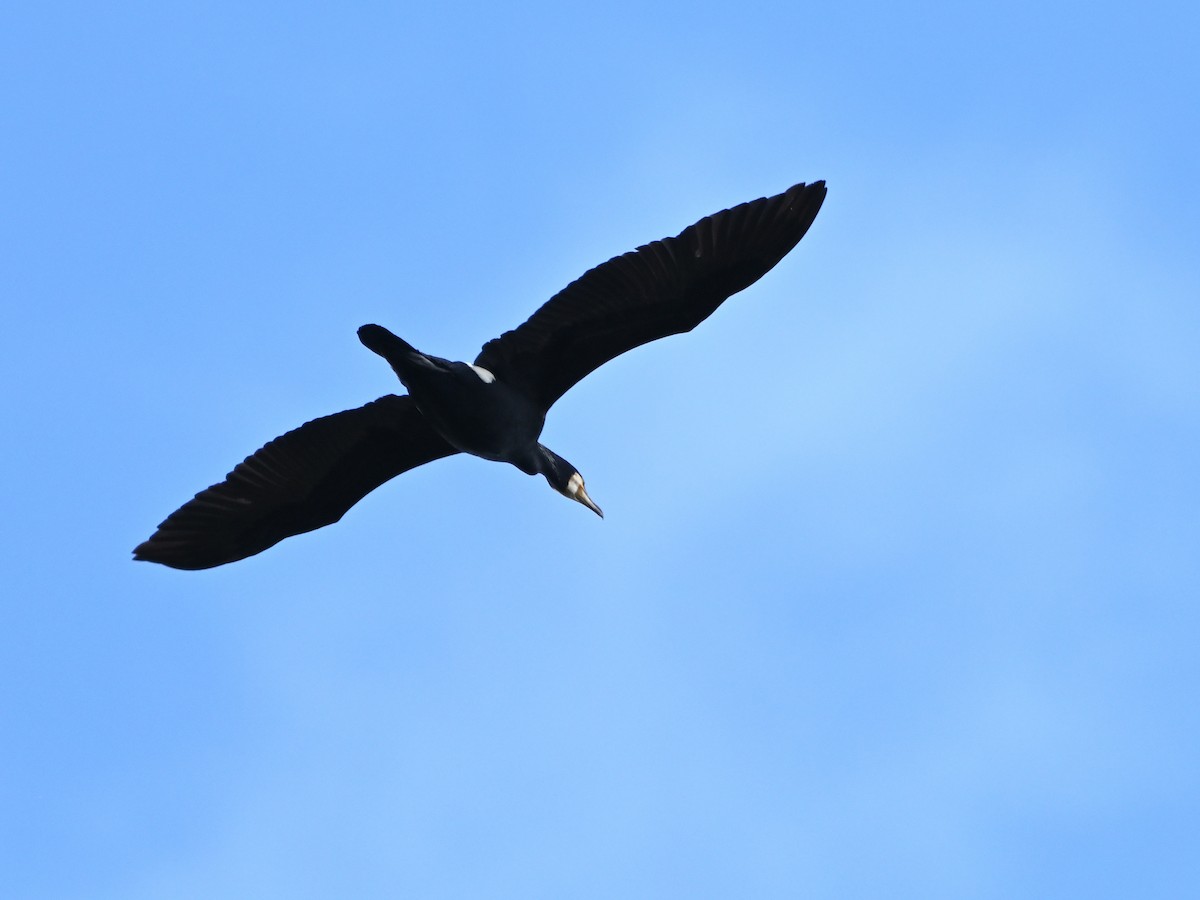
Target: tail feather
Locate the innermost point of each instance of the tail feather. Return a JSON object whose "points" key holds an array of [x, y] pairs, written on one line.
{"points": [[406, 361], [379, 340]]}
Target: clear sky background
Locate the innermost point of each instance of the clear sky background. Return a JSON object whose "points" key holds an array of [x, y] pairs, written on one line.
{"points": [[898, 593]]}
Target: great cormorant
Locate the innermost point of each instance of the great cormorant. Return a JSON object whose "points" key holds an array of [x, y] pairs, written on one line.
{"points": [[495, 407]]}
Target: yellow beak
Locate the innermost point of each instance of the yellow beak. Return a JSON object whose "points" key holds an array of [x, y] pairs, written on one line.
{"points": [[582, 496]]}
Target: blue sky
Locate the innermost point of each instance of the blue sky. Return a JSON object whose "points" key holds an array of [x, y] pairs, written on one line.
{"points": [[897, 590]]}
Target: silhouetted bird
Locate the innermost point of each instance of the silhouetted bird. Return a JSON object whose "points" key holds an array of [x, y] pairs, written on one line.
{"points": [[494, 407]]}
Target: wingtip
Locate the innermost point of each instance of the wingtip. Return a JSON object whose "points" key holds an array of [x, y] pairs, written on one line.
{"points": [[812, 188], [173, 554], [183, 563], [145, 552], [150, 557]]}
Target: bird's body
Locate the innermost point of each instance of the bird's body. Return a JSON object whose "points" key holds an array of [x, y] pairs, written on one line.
{"points": [[465, 404], [494, 408]]}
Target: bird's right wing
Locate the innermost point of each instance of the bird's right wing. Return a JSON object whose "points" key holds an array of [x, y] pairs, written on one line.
{"points": [[665, 287], [303, 480]]}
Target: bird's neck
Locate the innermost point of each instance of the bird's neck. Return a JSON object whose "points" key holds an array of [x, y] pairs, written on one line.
{"points": [[556, 469]]}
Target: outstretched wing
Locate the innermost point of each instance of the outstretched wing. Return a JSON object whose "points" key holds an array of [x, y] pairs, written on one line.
{"points": [[666, 287], [303, 480]]}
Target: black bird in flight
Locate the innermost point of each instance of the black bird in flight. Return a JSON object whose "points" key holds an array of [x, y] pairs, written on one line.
{"points": [[495, 407]]}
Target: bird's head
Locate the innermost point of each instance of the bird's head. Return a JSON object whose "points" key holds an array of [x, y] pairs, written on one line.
{"points": [[565, 478], [575, 491]]}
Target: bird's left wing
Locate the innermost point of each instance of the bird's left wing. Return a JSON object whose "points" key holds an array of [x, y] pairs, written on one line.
{"points": [[665, 287], [303, 480]]}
